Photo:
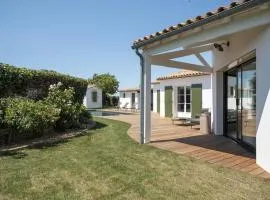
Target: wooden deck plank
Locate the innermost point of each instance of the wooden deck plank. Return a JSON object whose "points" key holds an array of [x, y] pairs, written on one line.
{"points": [[184, 140]]}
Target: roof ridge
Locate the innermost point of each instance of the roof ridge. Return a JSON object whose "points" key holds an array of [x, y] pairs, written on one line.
{"points": [[183, 74]]}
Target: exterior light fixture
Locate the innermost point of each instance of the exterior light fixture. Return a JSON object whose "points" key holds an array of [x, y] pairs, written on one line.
{"points": [[219, 47]]}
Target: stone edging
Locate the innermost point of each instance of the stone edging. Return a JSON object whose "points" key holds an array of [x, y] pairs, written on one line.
{"points": [[50, 140]]}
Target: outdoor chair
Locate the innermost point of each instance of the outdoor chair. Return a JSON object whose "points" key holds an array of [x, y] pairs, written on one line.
{"points": [[181, 119], [194, 120]]}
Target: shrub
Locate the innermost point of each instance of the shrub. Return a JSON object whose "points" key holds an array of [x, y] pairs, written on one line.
{"points": [[70, 113], [3, 105], [85, 116], [34, 84], [25, 116], [114, 100]]}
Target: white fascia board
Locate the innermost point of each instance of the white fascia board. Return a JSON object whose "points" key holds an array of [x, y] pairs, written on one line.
{"points": [[226, 28]]}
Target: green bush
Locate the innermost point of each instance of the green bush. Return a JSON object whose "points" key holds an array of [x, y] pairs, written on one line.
{"points": [[34, 84], [85, 116], [70, 113], [3, 105], [26, 116]]}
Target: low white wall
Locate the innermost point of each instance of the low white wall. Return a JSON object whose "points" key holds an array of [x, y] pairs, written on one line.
{"points": [[88, 103], [206, 91]]}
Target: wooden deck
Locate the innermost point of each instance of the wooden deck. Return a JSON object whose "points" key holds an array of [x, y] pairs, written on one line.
{"points": [[184, 140]]}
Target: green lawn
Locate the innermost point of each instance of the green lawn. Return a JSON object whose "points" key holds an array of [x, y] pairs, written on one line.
{"points": [[107, 164]]}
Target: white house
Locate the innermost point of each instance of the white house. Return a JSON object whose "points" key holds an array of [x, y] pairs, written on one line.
{"points": [[183, 94], [130, 98], [93, 97], [238, 36]]}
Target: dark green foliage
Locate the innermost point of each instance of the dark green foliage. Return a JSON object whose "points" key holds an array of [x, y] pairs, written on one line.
{"points": [[110, 101], [107, 82], [114, 100], [35, 83], [85, 117]]}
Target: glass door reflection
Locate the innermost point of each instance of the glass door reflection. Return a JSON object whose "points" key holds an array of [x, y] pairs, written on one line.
{"points": [[240, 104], [249, 104], [232, 104]]}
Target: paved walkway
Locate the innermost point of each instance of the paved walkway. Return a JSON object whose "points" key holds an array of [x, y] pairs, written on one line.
{"points": [[187, 141]]}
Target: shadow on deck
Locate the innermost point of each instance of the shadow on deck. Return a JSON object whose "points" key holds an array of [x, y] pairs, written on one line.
{"points": [[188, 141]]}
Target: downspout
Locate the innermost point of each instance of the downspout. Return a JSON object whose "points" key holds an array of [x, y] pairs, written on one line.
{"points": [[141, 95]]}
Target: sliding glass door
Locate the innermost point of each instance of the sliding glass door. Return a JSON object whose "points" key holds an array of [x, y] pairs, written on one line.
{"points": [[240, 103], [249, 104]]}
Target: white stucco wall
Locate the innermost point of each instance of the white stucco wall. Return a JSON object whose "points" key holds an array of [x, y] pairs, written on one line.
{"points": [[263, 100], [257, 40], [155, 89], [125, 102], [206, 92], [88, 101]]}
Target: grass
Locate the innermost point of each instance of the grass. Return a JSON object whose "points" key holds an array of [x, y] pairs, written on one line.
{"points": [[107, 164]]}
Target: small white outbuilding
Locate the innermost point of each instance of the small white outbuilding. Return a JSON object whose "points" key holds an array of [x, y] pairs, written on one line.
{"points": [[129, 98], [93, 97]]}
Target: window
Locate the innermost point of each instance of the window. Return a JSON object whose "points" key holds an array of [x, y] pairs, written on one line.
{"points": [[188, 99], [181, 99], [184, 99], [124, 95], [94, 96]]}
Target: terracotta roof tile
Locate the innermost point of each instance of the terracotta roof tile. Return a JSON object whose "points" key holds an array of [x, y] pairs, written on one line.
{"points": [[130, 90], [182, 74], [191, 21]]}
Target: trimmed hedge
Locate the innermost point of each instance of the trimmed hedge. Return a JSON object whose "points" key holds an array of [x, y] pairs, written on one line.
{"points": [[34, 84]]}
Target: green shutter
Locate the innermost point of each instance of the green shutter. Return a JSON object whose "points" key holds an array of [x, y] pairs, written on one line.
{"points": [[196, 99], [168, 101], [94, 96], [158, 101]]}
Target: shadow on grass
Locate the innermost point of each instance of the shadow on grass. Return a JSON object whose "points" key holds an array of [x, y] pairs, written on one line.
{"points": [[13, 154], [18, 154], [99, 125], [46, 145]]}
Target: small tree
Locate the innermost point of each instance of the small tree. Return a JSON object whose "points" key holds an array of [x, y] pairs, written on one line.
{"points": [[108, 83]]}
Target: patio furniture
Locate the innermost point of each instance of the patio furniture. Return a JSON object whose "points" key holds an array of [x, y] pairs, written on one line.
{"points": [[194, 121], [181, 119]]}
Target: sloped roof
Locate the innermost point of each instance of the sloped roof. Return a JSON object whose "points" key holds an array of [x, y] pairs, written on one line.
{"points": [[200, 20], [130, 90], [183, 74]]}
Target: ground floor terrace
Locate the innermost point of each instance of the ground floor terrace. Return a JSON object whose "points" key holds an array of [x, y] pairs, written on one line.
{"points": [[190, 142]]}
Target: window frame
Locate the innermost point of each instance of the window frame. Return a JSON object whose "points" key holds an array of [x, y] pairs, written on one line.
{"points": [[184, 96], [94, 95]]}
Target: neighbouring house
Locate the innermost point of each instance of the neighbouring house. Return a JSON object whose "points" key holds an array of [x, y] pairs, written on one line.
{"points": [[238, 37], [183, 94], [93, 97], [130, 98]]}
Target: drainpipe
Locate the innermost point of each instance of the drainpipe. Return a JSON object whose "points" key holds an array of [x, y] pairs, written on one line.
{"points": [[141, 95]]}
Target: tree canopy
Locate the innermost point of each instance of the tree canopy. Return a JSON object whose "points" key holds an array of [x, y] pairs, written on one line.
{"points": [[107, 82]]}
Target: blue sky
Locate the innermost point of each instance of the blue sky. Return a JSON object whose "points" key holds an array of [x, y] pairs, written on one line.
{"points": [[81, 38]]}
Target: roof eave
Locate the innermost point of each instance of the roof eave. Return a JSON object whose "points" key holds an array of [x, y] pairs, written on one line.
{"points": [[218, 16]]}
